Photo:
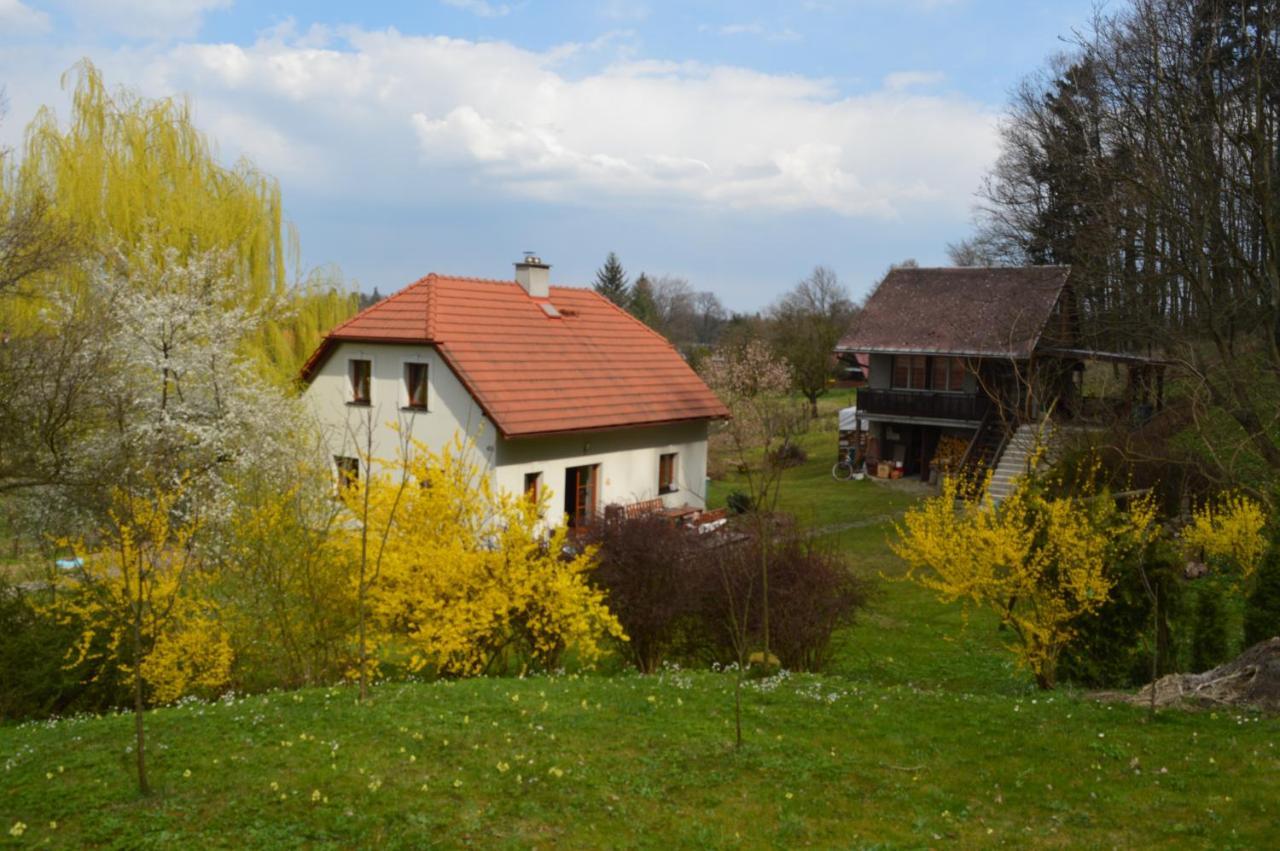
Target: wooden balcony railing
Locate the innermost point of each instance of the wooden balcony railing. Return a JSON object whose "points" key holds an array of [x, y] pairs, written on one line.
{"points": [[917, 403]]}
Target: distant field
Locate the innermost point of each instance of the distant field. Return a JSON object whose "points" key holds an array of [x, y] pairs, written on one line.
{"points": [[923, 734]]}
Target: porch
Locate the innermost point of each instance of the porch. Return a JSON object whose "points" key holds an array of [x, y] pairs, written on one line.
{"points": [[970, 408]]}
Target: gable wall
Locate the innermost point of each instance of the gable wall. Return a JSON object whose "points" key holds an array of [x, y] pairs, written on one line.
{"points": [[450, 408]]}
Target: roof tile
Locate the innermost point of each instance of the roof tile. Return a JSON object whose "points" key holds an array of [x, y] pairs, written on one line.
{"points": [[593, 367]]}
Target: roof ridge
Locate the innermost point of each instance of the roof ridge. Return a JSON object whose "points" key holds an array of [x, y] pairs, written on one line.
{"points": [[429, 321], [387, 300], [1023, 268], [475, 280]]}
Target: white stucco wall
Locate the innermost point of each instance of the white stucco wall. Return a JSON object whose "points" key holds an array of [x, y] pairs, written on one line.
{"points": [[628, 457], [450, 408], [628, 460]]}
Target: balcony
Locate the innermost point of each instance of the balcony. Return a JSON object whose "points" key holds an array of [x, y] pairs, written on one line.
{"points": [[921, 404]]}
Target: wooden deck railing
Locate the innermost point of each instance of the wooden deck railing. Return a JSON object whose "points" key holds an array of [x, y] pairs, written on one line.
{"points": [[967, 407]]}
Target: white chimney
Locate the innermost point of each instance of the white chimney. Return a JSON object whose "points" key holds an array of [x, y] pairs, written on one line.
{"points": [[534, 275]]}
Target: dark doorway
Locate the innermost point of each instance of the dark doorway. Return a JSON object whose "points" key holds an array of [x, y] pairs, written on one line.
{"points": [[580, 486]]}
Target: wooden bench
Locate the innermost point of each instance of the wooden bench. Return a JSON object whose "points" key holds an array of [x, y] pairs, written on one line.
{"points": [[641, 509]]}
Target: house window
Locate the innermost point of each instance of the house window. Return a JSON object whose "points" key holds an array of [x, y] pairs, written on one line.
{"points": [[532, 486], [415, 386], [909, 372], [360, 375], [948, 374], [667, 472], [348, 471], [580, 486]]}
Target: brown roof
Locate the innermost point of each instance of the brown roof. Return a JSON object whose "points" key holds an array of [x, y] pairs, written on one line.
{"points": [[990, 312], [592, 367]]}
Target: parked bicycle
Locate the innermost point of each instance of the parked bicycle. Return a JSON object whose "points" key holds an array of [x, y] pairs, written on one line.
{"points": [[844, 469]]}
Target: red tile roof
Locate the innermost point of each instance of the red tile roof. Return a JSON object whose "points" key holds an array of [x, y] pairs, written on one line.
{"points": [[593, 367]]}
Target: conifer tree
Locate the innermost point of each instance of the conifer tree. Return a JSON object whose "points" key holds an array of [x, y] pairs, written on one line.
{"points": [[641, 303], [611, 281]]}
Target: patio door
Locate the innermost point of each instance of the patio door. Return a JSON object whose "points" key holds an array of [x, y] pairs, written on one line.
{"points": [[581, 486]]}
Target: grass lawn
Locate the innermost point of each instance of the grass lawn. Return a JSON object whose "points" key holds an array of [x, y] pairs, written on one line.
{"points": [[923, 734]]}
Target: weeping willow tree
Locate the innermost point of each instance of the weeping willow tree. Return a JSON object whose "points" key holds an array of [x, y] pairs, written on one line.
{"points": [[129, 174]]}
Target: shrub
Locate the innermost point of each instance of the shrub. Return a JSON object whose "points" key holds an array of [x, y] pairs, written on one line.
{"points": [[812, 593], [645, 568], [1111, 647], [789, 455], [35, 681], [739, 502], [1262, 607], [1210, 636], [667, 586]]}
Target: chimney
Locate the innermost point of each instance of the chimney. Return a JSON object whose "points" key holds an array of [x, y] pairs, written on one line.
{"points": [[534, 275]]}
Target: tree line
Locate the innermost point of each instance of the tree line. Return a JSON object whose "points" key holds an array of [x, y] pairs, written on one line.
{"points": [[1147, 157], [802, 326]]}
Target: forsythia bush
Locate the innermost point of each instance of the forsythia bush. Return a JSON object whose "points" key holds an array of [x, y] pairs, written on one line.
{"points": [[1230, 535], [1039, 561], [142, 589], [460, 574]]}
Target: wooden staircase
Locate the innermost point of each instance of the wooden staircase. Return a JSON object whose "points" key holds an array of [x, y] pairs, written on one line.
{"points": [[985, 447], [1015, 460]]}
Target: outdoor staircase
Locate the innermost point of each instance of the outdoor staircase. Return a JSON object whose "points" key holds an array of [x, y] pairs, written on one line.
{"points": [[1015, 459], [986, 445]]}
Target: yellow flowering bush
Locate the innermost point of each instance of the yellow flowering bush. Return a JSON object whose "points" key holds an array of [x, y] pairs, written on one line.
{"points": [[1229, 534], [142, 588], [465, 573], [1039, 561]]}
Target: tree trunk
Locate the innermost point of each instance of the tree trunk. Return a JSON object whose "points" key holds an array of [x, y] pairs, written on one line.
{"points": [[737, 705], [762, 532], [1155, 651], [140, 742]]}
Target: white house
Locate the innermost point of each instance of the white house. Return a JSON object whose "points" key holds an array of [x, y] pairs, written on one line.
{"points": [[564, 389]]}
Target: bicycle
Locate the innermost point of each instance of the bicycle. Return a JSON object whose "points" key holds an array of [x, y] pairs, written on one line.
{"points": [[843, 469]]}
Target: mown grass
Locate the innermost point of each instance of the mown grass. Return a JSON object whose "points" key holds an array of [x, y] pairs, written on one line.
{"points": [[630, 761], [922, 734]]}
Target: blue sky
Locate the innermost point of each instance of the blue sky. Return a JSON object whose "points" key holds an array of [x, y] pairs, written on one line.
{"points": [[735, 144]]}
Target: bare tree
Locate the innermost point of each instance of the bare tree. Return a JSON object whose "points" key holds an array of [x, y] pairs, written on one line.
{"points": [[806, 325]]}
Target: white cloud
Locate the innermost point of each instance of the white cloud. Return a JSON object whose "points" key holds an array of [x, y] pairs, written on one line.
{"points": [[145, 19], [902, 80], [755, 29], [382, 116], [623, 10], [480, 7], [16, 18]]}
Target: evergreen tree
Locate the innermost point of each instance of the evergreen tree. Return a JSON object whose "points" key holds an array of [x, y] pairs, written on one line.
{"points": [[611, 281], [1262, 608], [641, 303]]}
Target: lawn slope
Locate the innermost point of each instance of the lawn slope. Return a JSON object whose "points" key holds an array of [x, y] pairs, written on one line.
{"points": [[922, 734]]}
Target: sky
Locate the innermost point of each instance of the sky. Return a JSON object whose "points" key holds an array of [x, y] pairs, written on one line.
{"points": [[734, 144]]}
